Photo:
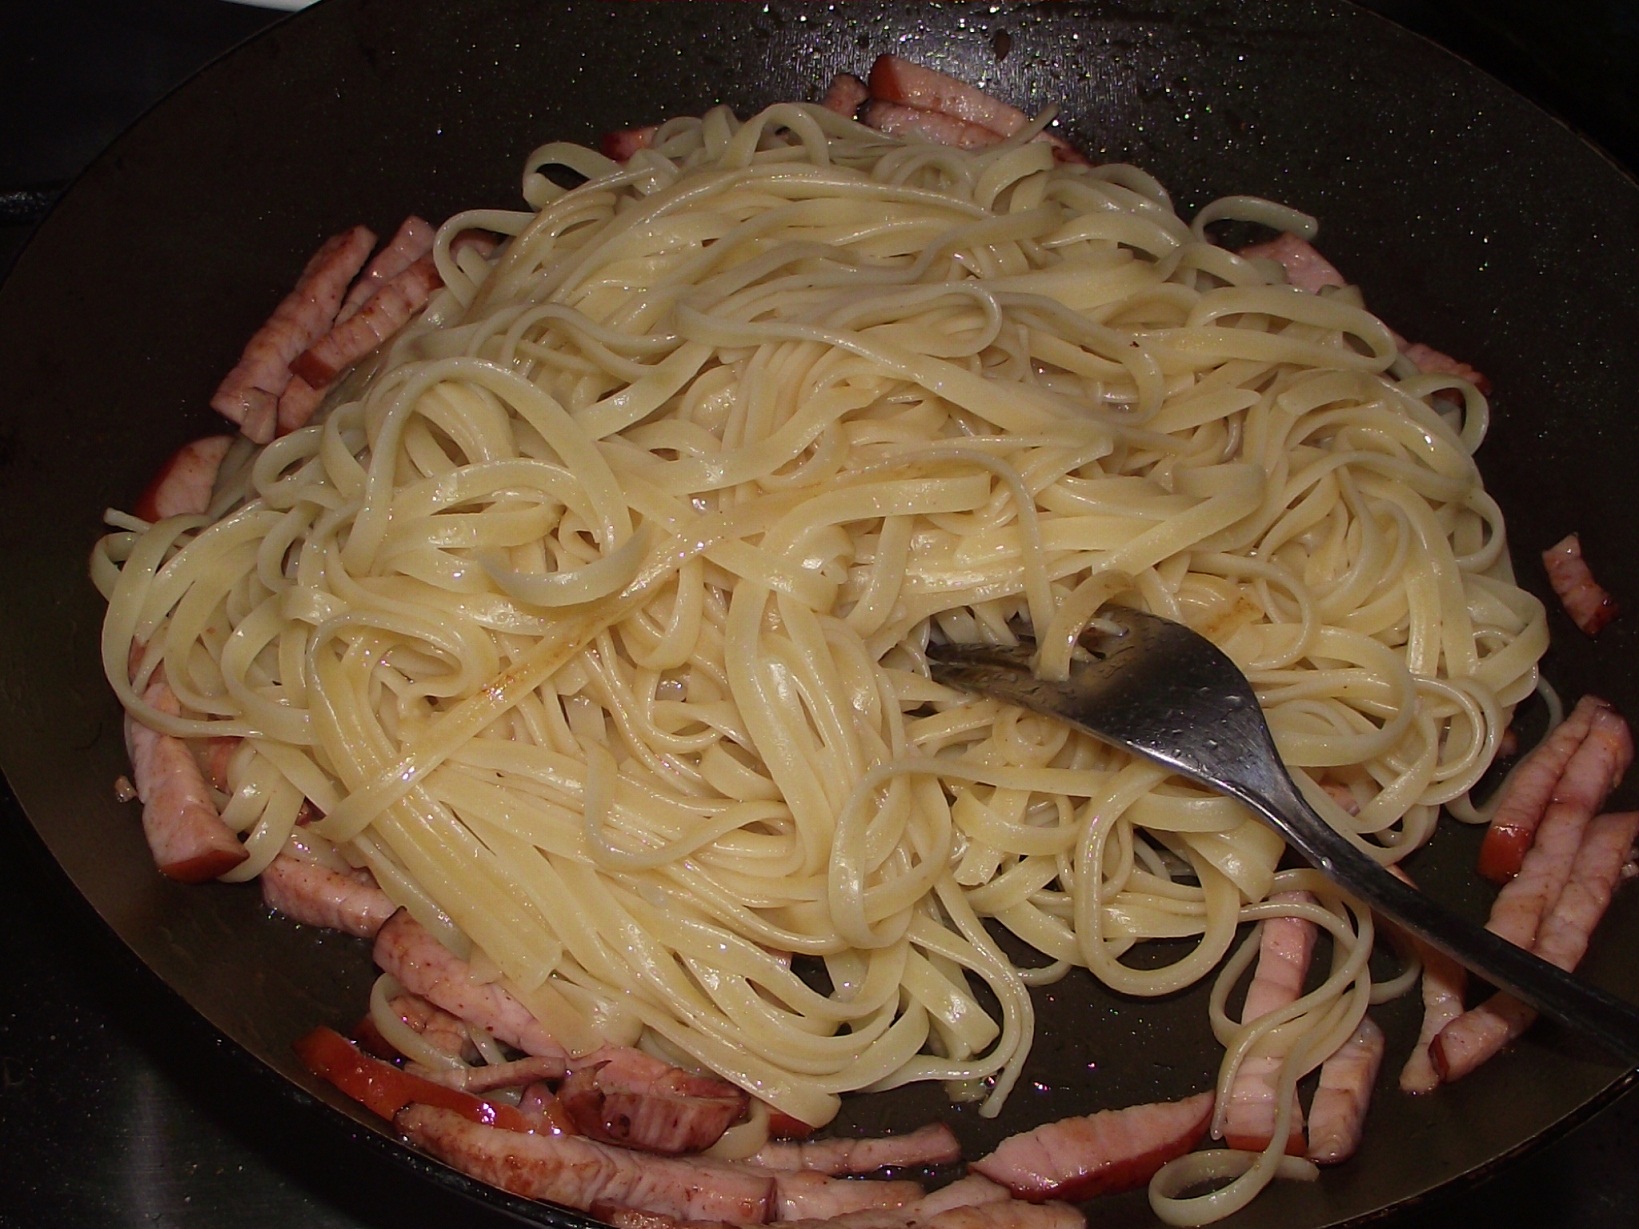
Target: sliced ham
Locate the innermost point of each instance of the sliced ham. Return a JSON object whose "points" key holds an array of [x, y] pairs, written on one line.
{"points": [[581, 1173], [934, 1144], [970, 1203], [633, 1099], [424, 966], [183, 485], [446, 1033], [1308, 270], [1305, 267], [1443, 984], [897, 120], [845, 95], [315, 895], [1113, 1150], [1597, 868], [1337, 1114], [410, 242], [486, 1077], [185, 833], [622, 143], [249, 394], [813, 1196], [1284, 950], [1584, 599], [1527, 791], [897, 80], [387, 311], [1590, 774]]}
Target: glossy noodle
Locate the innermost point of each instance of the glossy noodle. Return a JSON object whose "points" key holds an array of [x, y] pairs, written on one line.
{"points": [[592, 616]]}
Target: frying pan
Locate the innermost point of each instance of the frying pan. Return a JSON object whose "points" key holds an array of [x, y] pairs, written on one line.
{"points": [[1472, 221]]}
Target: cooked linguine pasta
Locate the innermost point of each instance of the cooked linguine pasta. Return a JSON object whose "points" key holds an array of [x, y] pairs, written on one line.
{"points": [[592, 619]]}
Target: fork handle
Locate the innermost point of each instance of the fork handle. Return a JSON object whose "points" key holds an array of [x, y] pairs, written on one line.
{"points": [[1569, 1000]]}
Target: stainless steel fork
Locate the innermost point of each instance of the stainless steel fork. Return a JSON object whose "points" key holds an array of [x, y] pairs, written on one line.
{"points": [[1163, 691]]}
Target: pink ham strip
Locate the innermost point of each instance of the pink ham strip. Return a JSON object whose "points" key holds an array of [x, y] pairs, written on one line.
{"points": [[969, 1203], [1528, 790], [315, 895], [580, 1172], [185, 833], [896, 120], [389, 310], [934, 1144], [1308, 270], [1479, 1034], [413, 240], [1305, 267], [897, 80], [1584, 599], [845, 95], [249, 394], [1338, 1112], [1284, 950], [812, 1196], [183, 485], [624, 142], [425, 967], [1444, 983], [438, 1028], [630, 1098], [1113, 1150], [1590, 775]]}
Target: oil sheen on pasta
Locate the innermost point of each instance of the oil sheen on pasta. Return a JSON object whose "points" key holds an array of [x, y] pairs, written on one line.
{"points": [[592, 619]]}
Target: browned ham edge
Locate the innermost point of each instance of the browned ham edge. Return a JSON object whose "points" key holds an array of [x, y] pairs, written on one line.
{"points": [[1113, 1150], [633, 1099], [1479, 1034], [183, 485], [185, 833], [1583, 598], [1527, 791], [315, 895], [424, 966], [1284, 950], [249, 394], [934, 1144], [812, 1196], [1337, 1115], [624, 142], [581, 1173]]}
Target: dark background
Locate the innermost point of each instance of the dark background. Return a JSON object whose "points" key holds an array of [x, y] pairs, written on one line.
{"points": [[119, 1107]]}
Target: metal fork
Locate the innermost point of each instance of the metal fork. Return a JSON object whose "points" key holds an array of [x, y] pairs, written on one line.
{"points": [[1166, 693]]}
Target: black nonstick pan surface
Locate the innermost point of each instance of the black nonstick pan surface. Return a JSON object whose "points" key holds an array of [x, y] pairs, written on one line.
{"points": [[1472, 220]]}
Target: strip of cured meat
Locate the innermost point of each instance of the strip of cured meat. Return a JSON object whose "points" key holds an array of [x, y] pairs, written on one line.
{"points": [[1337, 1115], [183, 485], [581, 1173], [897, 120], [387, 311], [622, 143], [636, 1100], [1305, 267], [952, 1207], [1443, 984], [186, 835], [845, 95], [934, 1144], [1590, 774], [1477, 1035], [897, 80], [315, 895], [1527, 791], [1284, 950], [1112, 1150], [249, 394], [1584, 599], [814, 1196], [424, 966], [410, 242], [385, 1090]]}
